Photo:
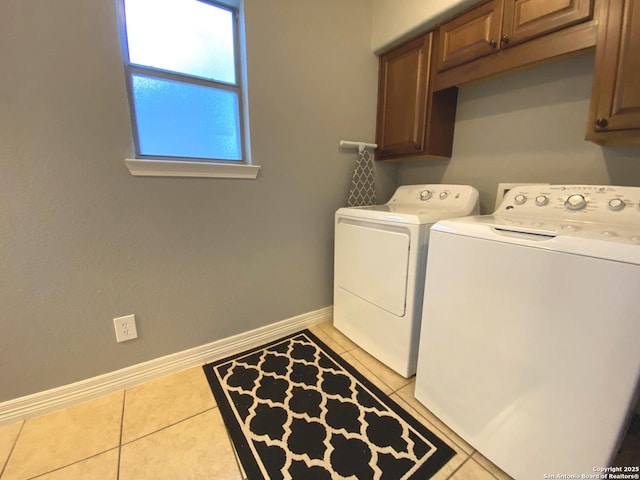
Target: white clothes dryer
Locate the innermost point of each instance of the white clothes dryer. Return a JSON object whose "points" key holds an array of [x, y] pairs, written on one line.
{"points": [[530, 327], [380, 255]]}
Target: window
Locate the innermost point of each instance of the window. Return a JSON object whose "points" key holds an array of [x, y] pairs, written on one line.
{"points": [[185, 85]]}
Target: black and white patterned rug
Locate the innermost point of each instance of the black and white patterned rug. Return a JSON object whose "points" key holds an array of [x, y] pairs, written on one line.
{"points": [[296, 410]]}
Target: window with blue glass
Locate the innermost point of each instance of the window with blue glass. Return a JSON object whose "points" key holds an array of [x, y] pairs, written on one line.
{"points": [[182, 65]]}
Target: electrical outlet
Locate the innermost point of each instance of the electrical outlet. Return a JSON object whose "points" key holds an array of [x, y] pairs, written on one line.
{"points": [[125, 328]]}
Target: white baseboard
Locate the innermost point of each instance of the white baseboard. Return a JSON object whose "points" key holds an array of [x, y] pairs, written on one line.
{"points": [[61, 397]]}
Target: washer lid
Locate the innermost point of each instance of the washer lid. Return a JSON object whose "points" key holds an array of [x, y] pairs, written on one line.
{"points": [[611, 242]]}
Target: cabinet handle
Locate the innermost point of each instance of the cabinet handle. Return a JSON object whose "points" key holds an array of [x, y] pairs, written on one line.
{"points": [[504, 39], [493, 43], [602, 122]]}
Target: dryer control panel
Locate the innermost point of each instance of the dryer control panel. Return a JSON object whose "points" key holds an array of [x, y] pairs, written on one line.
{"points": [[440, 196], [600, 211]]}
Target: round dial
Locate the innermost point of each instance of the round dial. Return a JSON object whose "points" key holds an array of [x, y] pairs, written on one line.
{"points": [[443, 195], [520, 199], [575, 202], [542, 200], [425, 194], [616, 204]]}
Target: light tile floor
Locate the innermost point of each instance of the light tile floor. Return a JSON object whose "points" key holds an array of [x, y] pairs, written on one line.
{"points": [[170, 428]]}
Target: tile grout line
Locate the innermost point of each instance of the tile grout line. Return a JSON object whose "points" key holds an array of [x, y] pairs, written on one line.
{"points": [[400, 387], [71, 464], [328, 331], [470, 458], [15, 442], [124, 403], [406, 405], [432, 426], [459, 467], [372, 374], [444, 434], [482, 466], [356, 347], [169, 426], [413, 411], [119, 446], [91, 456]]}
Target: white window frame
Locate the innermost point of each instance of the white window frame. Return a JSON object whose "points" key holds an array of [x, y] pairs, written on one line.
{"points": [[144, 165]]}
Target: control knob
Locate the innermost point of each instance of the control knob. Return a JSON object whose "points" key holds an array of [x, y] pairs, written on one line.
{"points": [[520, 199], [542, 200], [616, 204], [443, 195], [425, 194], [575, 202]]}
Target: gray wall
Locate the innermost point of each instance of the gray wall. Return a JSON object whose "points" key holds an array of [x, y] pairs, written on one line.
{"points": [[197, 260], [527, 126]]}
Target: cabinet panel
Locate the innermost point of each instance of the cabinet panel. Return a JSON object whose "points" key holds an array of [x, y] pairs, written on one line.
{"points": [[615, 103], [469, 36], [413, 122], [402, 95], [526, 19], [625, 107], [499, 24]]}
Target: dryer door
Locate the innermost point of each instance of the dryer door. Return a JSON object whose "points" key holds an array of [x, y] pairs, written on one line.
{"points": [[372, 262]]}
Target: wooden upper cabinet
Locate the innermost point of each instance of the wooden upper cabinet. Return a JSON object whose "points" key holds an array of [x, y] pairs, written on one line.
{"points": [[411, 120], [527, 19], [500, 24], [469, 36], [614, 115], [402, 96]]}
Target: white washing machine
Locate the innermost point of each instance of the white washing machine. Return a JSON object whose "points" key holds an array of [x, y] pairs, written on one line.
{"points": [[380, 255], [530, 328]]}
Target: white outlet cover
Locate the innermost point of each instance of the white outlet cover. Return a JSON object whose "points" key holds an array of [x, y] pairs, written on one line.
{"points": [[125, 328]]}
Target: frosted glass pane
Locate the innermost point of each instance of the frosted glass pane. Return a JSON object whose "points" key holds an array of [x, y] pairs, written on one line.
{"points": [[185, 36], [184, 120]]}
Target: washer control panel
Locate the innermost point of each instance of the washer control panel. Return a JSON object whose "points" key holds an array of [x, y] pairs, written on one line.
{"points": [[601, 211]]}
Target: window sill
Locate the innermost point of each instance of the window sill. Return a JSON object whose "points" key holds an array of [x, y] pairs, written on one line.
{"points": [[168, 168]]}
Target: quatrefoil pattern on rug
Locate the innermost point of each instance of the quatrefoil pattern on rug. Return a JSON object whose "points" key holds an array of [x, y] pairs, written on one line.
{"points": [[295, 412]]}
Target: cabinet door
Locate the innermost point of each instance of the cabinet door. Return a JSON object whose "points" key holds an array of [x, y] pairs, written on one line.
{"points": [[526, 19], [402, 98], [471, 35], [615, 102]]}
